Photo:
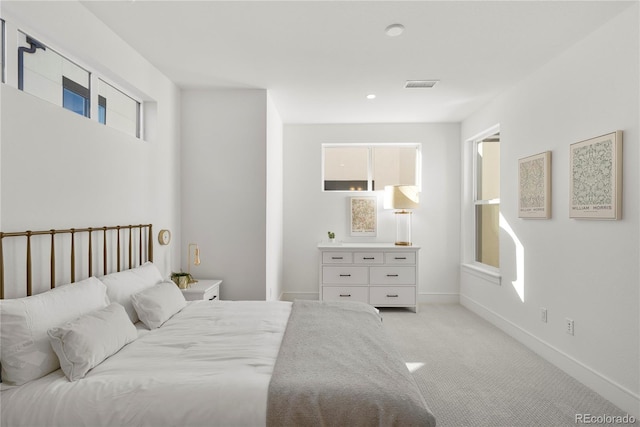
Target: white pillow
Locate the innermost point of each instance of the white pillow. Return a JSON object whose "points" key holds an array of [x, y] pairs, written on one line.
{"points": [[25, 352], [120, 286], [85, 342], [156, 305]]}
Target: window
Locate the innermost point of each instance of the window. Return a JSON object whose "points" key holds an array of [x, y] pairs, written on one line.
{"points": [[369, 167], [75, 97], [2, 52], [50, 76], [102, 109], [487, 199], [346, 169], [118, 110]]}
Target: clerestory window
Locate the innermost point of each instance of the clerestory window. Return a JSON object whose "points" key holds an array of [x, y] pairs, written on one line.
{"points": [[370, 167]]}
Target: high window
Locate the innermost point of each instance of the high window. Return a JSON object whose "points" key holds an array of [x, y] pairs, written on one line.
{"points": [[369, 167], [50, 76], [2, 52], [487, 199], [118, 110], [75, 97], [102, 109]]}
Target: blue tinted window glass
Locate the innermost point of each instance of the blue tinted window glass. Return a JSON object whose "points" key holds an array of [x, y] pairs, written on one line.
{"points": [[102, 114], [76, 103]]}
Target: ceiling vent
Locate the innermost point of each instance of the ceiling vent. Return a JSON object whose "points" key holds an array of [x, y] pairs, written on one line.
{"points": [[420, 84]]}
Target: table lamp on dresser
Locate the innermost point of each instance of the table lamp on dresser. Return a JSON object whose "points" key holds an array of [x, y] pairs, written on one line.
{"points": [[403, 198]]}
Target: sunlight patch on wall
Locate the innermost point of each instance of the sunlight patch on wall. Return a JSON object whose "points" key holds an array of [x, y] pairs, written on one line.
{"points": [[518, 284]]}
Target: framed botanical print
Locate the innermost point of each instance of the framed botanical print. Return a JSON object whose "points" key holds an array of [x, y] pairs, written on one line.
{"points": [[534, 186], [595, 178], [364, 216]]}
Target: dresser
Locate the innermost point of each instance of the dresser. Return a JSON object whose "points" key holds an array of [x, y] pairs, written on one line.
{"points": [[380, 274]]}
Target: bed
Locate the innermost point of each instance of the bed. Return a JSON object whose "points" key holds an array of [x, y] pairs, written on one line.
{"points": [[125, 348]]}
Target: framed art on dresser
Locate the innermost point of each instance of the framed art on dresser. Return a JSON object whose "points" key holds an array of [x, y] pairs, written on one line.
{"points": [[363, 214]]}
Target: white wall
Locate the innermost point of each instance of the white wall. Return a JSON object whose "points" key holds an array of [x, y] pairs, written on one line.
{"points": [[584, 270], [62, 170], [309, 213], [224, 187], [275, 214]]}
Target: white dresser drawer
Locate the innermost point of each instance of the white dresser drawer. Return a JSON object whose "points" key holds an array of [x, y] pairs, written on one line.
{"points": [[400, 257], [392, 295], [393, 275], [381, 274], [368, 257], [345, 275], [337, 257], [345, 293]]}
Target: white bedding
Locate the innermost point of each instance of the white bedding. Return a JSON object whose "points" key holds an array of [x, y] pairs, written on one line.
{"points": [[210, 364]]}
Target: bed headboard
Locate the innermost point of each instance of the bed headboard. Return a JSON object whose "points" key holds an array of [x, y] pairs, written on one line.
{"points": [[126, 248]]}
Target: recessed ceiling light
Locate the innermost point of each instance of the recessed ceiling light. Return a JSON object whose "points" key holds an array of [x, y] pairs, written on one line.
{"points": [[394, 30], [371, 96]]}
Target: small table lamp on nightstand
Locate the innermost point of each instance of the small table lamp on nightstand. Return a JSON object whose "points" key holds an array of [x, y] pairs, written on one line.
{"points": [[196, 260]]}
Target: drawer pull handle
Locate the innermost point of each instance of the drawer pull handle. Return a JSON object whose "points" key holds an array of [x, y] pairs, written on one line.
{"points": [[345, 275], [401, 257], [392, 275], [369, 257], [337, 257], [345, 295], [392, 296]]}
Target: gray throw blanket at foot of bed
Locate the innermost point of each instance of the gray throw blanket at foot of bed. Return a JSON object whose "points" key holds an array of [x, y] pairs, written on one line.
{"points": [[336, 367]]}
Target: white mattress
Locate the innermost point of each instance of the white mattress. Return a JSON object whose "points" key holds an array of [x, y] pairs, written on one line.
{"points": [[209, 364]]}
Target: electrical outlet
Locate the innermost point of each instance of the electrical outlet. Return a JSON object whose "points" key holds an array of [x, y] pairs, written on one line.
{"points": [[543, 314], [568, 326]]}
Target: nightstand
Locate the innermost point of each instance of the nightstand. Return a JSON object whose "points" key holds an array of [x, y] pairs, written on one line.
{"points": [[203, 290]]}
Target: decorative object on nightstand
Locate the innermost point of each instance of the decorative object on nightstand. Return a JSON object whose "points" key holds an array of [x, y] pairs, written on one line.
{"points": [[332, 237], [181, 279], [203, 290], [196, 260], [401, 197]]}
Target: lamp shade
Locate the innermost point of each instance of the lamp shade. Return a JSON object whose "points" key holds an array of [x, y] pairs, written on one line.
{"points": [[401, 197]]}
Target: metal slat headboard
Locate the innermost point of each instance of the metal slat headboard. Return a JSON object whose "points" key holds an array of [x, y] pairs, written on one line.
{"points": [[119, 229]]}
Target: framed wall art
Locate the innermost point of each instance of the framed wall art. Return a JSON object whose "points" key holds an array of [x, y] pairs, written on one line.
{"points": [[364, 216], [595, 178], [534, 186]]}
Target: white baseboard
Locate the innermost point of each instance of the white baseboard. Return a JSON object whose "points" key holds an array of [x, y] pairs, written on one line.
{"points": [[620, 396], [290, 296], [438, 298], [427, 298]]}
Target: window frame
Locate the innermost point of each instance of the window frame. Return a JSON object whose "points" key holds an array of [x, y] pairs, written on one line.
{"points": [[3, 52], [138, 102], [370, 163], [102, 110], [470, 255], [91, 95], [77, 89]]}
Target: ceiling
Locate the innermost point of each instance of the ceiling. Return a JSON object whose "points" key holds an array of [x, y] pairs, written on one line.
{"points": [[320, 59]]}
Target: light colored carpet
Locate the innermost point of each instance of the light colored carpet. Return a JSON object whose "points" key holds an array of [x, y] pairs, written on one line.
{"points": [[473, 374]]}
